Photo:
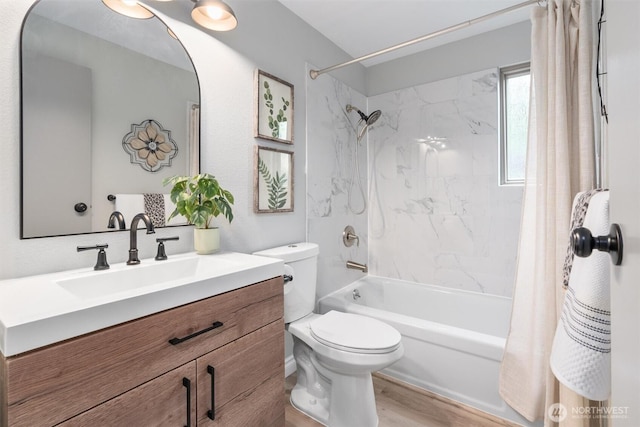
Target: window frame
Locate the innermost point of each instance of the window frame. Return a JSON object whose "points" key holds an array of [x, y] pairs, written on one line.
{"points": [[506, 73]]}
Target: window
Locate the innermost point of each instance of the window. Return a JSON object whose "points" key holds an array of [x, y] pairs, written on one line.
{"points": [[514, 114]]}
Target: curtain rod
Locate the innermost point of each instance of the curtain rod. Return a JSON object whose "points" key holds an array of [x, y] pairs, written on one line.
{"points": [[315, 73]]}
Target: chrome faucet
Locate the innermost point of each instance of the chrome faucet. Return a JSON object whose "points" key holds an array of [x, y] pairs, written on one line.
{"points": [[357, 266], [116, 216], [133, 239]]}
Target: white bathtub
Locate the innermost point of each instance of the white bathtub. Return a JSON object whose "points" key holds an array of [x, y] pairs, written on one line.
{"points": [[453, 339]]}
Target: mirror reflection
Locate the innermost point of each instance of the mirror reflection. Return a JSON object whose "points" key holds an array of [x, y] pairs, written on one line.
{"points": [[109, 109]]}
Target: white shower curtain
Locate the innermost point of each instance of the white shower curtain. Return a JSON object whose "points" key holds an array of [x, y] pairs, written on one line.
{"points": [[560, 163]]}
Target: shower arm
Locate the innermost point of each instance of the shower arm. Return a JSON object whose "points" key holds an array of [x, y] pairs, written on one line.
{"points": [[315, 73]]}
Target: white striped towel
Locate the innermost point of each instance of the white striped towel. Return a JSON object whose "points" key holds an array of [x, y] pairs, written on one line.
{"points": [[580, 356]]}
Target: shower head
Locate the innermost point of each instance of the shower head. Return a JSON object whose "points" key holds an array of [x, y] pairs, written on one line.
{"points": [[370, 119]]}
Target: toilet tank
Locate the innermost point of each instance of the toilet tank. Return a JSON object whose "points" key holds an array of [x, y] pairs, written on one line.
{"points": [[301, 262]]}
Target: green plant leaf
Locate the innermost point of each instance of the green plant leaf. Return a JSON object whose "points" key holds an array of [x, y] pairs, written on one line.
{"points": [[227, 195], [276, 188], [197, 198]]}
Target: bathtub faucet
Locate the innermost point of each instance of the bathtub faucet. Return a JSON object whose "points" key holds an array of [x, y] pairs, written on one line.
{"points": [[357, 266]]}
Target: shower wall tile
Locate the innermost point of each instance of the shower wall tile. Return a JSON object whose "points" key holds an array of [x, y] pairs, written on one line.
{"points": [[331, 155], [437, 214]]}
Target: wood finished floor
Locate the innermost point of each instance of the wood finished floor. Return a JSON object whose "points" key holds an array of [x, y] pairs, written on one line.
{"points": [[402, 405]]}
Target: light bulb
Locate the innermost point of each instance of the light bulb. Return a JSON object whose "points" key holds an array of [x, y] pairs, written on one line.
{"points": [[214, 12], [214, 15]]}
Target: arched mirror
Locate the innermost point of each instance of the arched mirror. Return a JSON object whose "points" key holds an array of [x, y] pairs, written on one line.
{"points": [[110, 106]]}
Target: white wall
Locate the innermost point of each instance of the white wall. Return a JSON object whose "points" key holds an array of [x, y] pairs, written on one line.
{"points": [[505, 46], [622, 43], [269, 37]]}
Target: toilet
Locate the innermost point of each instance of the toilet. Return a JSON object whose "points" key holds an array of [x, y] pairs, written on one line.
{"points": [[336, 352]]}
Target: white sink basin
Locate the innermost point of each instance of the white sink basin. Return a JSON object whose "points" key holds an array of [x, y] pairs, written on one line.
{"points": [[128, 278], [40, 310]]}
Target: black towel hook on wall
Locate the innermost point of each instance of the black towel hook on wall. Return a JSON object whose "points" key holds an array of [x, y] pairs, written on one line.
{"points": [[583, 243]]}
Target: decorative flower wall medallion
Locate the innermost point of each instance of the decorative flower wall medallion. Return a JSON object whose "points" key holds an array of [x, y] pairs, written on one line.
{"points": [[150, 146]]}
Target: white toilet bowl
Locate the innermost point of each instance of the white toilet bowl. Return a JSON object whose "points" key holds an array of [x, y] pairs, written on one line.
{"points": [[335, 354]]}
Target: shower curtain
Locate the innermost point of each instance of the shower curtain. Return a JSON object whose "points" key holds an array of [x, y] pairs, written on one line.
{"points": [[560, 163]]}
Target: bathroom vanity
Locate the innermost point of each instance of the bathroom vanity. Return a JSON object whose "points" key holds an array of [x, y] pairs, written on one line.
{"points": [[214, 360]]}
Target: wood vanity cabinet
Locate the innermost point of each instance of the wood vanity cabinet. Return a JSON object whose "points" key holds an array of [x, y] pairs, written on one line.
{"points": [[228, 350]]}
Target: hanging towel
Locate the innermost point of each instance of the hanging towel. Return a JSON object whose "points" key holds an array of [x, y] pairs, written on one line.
{"points": [[157, 205], [129, 205], [154, 207], [580, 206], [580, 356]]}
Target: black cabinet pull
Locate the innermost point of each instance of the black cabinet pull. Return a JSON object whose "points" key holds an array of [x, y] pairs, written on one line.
{"points": [[174, 341], [212, 412], [187, 384]]}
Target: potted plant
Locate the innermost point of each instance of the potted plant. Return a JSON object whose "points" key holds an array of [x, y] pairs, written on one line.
{"points": [[199, 199]]}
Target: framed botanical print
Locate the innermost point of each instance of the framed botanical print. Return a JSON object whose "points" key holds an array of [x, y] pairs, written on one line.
{"points": [[273, 180], [274, 108]]}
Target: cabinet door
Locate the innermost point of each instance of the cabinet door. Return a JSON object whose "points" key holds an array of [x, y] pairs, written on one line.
{"points": [[242, 383], [169, 400]]}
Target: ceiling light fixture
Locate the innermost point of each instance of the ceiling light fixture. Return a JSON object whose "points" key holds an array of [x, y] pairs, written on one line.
{"points": [[214, 14], [129, 8]]}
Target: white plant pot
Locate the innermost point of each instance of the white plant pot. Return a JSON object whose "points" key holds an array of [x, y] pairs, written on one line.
{"points": [[206, 240]]}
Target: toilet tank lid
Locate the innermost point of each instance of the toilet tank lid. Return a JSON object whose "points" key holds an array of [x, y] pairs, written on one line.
{"points": [[292, 252]]}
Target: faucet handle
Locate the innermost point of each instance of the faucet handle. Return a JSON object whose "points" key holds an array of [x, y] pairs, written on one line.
{"points": [[101, 263], [162, 254], [349, 235]]}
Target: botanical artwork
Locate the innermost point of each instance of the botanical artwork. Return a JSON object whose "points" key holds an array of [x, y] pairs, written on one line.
{"points": [[273, 186], [276, 186], [150, 145], [274, 109]]}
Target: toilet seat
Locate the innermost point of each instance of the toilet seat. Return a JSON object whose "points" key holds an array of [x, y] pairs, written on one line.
{"points": [[354, 333]]}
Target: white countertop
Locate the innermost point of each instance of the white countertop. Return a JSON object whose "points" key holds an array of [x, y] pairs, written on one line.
{"points": [[40, 310]]}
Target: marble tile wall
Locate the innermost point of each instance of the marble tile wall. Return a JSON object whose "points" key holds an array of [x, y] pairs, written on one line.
{"points": [[437, 214], [331, 155]]}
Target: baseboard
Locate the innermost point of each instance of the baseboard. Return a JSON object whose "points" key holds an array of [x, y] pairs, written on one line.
{"points": [[289, 365]]}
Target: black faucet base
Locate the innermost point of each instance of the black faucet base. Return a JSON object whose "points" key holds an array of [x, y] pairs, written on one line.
{"points": [[133, 257]]}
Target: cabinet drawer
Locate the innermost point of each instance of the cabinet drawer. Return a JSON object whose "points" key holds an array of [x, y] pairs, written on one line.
{"points": [[50, 385]]}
